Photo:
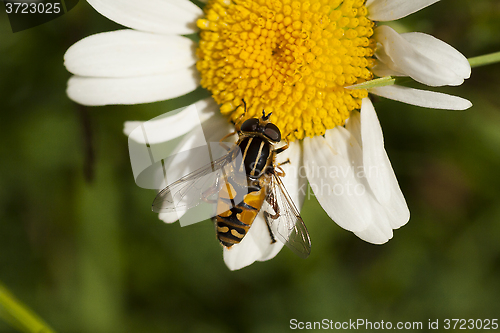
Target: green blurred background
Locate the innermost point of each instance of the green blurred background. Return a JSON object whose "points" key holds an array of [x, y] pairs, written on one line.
{"points": [[80, 246]]}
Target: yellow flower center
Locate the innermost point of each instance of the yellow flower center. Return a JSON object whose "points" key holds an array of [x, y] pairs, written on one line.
{"points": [[291, 58]]}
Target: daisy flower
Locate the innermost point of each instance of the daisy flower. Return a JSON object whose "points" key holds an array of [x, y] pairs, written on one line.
{"points": [[307, 62]]}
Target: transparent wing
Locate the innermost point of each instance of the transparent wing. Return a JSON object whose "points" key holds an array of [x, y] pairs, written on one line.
{"points": [[284, 219], [188, 191]]}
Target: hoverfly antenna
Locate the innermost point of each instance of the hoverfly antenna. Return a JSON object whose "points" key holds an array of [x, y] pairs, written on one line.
{"points": [[290, 133], [264, 117], [244, 107], [239, 121], [244, 104]]}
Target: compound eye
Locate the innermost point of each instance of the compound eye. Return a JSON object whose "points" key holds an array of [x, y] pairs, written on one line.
{"points": [[250, 125], [272, 132]]}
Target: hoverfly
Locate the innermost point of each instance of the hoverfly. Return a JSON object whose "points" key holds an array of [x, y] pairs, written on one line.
{"points": [[243, 186]]}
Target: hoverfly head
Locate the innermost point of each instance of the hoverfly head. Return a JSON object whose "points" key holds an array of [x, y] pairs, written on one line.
{"points": [[260, 126]]}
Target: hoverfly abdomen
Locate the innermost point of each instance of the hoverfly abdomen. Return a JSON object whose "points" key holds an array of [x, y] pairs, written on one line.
{"points": [[233, 224]]}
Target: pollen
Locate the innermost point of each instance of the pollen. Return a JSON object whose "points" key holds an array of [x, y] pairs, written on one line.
{"points": [[291, 58]]}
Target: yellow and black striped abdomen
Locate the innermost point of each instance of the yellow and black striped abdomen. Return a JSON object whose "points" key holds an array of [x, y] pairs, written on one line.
{"points": [[233, 224]]}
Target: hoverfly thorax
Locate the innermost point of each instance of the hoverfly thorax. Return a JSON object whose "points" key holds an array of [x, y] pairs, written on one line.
{"points": [[257, 138]]}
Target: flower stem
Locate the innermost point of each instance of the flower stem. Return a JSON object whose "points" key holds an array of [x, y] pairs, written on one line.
{"points": [[486, 59], [20, 316]]}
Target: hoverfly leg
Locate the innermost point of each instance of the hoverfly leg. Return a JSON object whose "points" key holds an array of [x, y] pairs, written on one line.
{"points": [[222, 144], [286, 162], [280, 172], [285, 147], [208, 193], [214, 189], [239, 121], [266, 218], [282, 149], [272, 201]]}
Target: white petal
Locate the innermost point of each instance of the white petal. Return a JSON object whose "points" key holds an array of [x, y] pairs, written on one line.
{"points": [[353, 125], [374, 233], [171, 217], [145, 89], [216, 127], [213, 130], [254, 246], [171, 126], [404, 57], [159, 16], [390, 10], [378, 169], [440, 52], [359, 211], [379, 230], [374, 156], [157, 165], [424, 98], [126, 53], [272, 251], [381, 70], [332, 177], [178, 168]]}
